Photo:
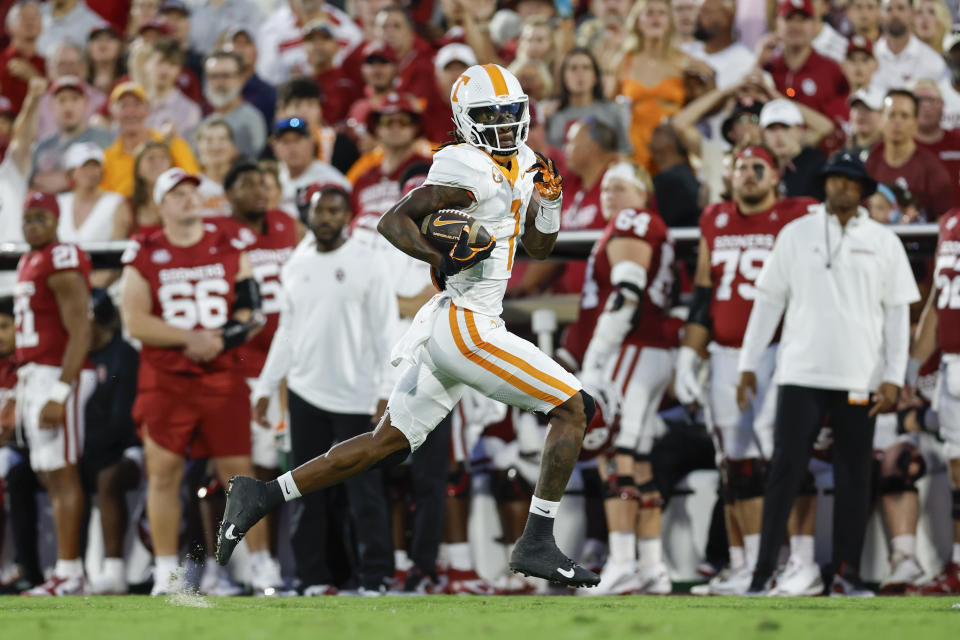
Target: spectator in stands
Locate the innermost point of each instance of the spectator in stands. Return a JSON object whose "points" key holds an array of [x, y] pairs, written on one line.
{"points": [[175, 16], [69, 105], [66, 21], [14, 173], [930, 135], [170, 109], [21, 60], [216, 151], [950, 86], [142, 12], [278, 38], [321, 317], [864, 17], [581, 96], [338, 89], [828, 42], [396, 125], [67, 61], [450, 63], [534, 77], [715, 43], [293, 144], [300, 98], [210, 17], [898, 158], [799, 72], [902, 56], [256, 91], [129, 108], [223, 88], [87, 212], [860, 64], [105, 61], [650, 73], [605, 36], [685, 21], [683, 197], [866, 116], [781, 122], [536, 41], [113, 455], [931, 22], [152, 159], [379, 70]]}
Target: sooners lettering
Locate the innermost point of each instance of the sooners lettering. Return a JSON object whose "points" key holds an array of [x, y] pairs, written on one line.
{"points": [[191, 274]]}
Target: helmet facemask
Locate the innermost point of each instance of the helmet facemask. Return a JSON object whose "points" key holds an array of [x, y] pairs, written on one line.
{"points": [[489, 126]]}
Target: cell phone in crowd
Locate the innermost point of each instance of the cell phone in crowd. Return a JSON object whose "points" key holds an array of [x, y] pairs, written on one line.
{"points": [[564, 8]]}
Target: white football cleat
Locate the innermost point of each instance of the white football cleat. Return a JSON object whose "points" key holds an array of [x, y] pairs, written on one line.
{"points": [[654, 580], [215, 581], [733, 583], [266, 579], [616, 578], [905, 571], [109, 586], [57, 586], [798, 579]]}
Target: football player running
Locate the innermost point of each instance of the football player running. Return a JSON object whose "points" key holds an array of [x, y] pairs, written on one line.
{"points": [[458, 339], [735, 239]]}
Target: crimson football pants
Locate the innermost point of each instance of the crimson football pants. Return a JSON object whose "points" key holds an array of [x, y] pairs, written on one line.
{"points": [[800, 414]]}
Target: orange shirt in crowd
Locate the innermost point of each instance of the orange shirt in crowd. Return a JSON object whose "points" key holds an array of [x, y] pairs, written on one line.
{"points": [[118, 164]]}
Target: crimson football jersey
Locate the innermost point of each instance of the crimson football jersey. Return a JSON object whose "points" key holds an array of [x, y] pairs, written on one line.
{"points": [[41, 337], [191, 288], [947, 281], [739, 247], [267, 252], [652, 329]]}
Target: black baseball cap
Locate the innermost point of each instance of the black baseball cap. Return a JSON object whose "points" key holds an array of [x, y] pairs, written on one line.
{"points": [[848, 165]]}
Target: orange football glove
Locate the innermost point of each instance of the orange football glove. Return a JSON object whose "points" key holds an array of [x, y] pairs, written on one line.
{"points": [[547, 181]]}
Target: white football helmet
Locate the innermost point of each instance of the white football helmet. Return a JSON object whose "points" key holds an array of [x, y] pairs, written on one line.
{"points": [[489, 105]]}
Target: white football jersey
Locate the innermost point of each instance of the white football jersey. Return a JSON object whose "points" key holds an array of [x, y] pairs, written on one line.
{"points": [[501, 200]]}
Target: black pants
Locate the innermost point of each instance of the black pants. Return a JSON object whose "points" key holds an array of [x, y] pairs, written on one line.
{"points": [[22, 487], [428, 480], [312, 432], [800, 414]]}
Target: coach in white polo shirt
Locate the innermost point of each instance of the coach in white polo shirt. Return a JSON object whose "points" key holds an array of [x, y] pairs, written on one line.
{"points": [[846, 285], [337, 316]]}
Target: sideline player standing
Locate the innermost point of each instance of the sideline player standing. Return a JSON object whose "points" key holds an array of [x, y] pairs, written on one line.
{"points": [[458, 338], [736, 238], [190, 298], [940, 326], [52, 310]]}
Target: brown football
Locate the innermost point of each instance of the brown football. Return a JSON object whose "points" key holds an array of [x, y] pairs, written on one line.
{"points": [[442, 229]]}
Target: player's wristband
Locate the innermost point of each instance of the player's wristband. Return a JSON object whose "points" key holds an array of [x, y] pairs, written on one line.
{"points": [[548, 216], [913, 371], [60, 392]]}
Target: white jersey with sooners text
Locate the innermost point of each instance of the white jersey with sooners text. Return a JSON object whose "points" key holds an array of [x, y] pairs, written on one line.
{"points": [[501, 198]]}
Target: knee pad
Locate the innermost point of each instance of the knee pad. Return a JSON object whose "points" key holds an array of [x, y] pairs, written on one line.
{"points": [[650, 497], [508, 485], [809, 486], [908, 458], [589, 406], [458, 483], [622, 487], [747, 478], [895, 484], [955, 496]]}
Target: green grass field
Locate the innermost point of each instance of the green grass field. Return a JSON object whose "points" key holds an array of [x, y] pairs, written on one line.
{"points": [[459, 618]]}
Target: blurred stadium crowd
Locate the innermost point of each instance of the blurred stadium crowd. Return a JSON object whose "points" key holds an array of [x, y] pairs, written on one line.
{"points": [[268, 102]]}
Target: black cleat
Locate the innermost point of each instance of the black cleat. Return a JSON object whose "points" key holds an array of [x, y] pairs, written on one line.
{"points": [[542, 559], [246, 504]]}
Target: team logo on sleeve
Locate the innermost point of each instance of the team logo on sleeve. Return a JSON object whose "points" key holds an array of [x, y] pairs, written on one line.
{"points": [[161, 256]]}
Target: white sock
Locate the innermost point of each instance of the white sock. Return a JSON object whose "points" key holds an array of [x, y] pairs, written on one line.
{"points": [[906, 544], [649, 551], [258, 557], [460, 557], [401, 561], [956, 553], [737, 557], [165, 566], [801, 548], [544, 508], [622, 546], [69, 568], [288, 486], [751, 549], [113, 568]]}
